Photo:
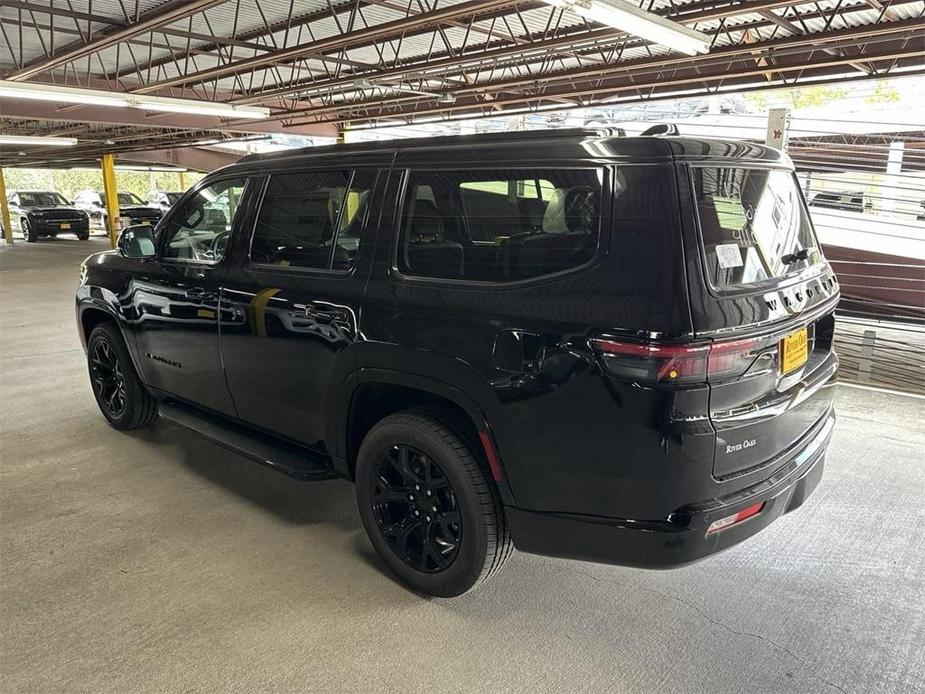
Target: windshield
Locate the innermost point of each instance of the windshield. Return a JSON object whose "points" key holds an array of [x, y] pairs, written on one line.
{"points": [[130, 199], [43, 199], [753, 225], [124, 199]]}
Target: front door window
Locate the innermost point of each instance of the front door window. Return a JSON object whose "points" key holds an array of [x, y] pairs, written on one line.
{"points": [[200, 230]]}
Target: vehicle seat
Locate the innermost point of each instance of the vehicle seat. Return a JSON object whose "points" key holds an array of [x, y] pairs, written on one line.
{"points": [[567, 239], [427, 251]]}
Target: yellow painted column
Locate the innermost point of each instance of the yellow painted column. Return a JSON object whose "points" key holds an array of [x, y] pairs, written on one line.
{"points": [[182, 181], [5, 212], [112, 198]]}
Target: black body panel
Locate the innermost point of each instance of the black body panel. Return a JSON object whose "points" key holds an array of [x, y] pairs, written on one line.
{"points": [[592, 464]]}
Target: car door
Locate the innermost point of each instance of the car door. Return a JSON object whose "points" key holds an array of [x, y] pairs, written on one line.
{"points": [[294, 290], [175, 297]]}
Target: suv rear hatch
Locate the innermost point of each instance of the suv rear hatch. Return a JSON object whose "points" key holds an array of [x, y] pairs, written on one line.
{"points": [[767, 299]]}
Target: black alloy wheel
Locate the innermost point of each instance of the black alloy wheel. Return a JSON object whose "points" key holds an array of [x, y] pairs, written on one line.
{"points": [[428, 503], [108, 379], [120, 394], [416, 509]]}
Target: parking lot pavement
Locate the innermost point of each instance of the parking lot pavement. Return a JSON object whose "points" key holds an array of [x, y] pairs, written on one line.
{"points": [[155, 561]]}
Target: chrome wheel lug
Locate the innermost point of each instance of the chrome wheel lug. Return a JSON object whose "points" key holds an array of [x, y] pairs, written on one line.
{"points": [[427, 518], [433, 509], [427, 492], [417, 513], [411, 497]]}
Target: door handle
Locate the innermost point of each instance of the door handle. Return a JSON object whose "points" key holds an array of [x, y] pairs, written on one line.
{"points": [[199, 294]]}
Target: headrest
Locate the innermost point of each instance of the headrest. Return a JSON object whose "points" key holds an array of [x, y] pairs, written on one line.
{"points": [[426, 224], [571, 209]]}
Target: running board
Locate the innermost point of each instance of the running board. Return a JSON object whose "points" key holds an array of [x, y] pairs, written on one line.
{"points": [[284, 457]]}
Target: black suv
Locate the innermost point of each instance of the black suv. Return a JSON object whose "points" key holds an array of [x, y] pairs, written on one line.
{"points": [[132, 209], [610, 349], [40, 213]]}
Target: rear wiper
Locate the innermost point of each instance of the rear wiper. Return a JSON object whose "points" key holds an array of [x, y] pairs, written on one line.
{"points": [[796, 256]]}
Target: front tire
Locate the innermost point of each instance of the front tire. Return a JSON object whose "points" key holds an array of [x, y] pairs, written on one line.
{"points": [[427, 505], [122, 398], [28, 233]]}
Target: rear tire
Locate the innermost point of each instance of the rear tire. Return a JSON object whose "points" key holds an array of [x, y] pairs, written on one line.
{"points": [[120, 394], [83, 237], [427, 505]]}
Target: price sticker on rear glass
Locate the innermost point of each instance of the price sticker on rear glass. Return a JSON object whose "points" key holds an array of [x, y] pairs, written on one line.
{"points": [[729, 255]]}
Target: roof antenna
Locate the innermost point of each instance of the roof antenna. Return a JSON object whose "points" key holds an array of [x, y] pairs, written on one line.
{"points": [[661, 129]]}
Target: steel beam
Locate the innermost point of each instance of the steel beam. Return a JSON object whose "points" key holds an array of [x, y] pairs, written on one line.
{"points": [[375, 32], [151, 20], [720, 58], [659, 81]]}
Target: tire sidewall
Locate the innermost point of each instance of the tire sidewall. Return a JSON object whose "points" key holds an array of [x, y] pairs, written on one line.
{"points": [[468, 565], [28, 232], [108, 334]]}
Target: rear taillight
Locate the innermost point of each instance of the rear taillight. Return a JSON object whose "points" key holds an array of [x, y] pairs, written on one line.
{"points": [[652, 363], [735, 518]]}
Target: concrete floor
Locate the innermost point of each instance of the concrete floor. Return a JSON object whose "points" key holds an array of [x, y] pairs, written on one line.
{"points": [[155, 561]]}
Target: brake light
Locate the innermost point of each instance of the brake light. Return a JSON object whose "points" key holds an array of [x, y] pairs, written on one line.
{"points": [[731, 358], [735, 518], [676, 363]]}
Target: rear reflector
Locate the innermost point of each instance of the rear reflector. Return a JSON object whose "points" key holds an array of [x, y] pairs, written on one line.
{"points": [[735, 518], [491, 455]]}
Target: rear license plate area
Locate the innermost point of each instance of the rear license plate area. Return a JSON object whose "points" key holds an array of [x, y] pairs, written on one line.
{"points": [[794, 351], [65, 225]]}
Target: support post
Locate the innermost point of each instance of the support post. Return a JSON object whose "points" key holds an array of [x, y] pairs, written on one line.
{"points": [[5, 211], [778, 120], [182, 181], [112, 198], [893, 181]]}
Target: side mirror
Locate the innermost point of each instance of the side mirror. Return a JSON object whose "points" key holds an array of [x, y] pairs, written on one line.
{"points": [[137, 241]]}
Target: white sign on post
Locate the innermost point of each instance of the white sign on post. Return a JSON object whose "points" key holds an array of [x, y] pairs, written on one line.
{"points": [[777, 128]]}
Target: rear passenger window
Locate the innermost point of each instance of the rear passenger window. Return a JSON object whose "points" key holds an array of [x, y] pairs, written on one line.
{"points": [[498, 226], [312, 219]]}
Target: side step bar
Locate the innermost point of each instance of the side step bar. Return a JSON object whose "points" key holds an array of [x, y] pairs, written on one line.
{"points": [[286, 458]]}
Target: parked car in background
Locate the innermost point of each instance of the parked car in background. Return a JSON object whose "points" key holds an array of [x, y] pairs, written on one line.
{"points": [[602, 348], [164, 200], [38, 213], [854, 201], [132, 209]]}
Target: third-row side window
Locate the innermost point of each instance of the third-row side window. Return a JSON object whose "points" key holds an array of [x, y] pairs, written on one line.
{"points": [[499, 225], [312, 219]]}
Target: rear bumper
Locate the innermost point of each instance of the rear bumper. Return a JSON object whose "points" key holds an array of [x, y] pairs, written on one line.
{"points": [[681, 538]]}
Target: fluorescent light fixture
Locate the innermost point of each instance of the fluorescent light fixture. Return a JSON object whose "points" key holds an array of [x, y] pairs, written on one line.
{"points": [[633, 20], [52, 92], [152, 167], [93, 97], [199, 108], [35, 140]]}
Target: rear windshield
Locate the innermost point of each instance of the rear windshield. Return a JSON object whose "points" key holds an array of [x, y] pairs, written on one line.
{"points": [[753, 225]]}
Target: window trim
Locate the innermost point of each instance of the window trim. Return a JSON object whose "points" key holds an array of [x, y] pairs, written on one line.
{"points": [[600, 250], [297, 269], [175, 211], [771, 283]]}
